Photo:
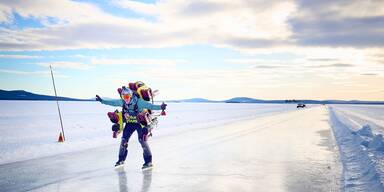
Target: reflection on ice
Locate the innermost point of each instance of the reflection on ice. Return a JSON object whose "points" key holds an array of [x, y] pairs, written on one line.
{"points": [[123, 183], [147, 180], [122, 180]]}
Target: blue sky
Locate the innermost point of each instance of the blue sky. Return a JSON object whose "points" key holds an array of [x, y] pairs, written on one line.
{"points": [[211, 49]]}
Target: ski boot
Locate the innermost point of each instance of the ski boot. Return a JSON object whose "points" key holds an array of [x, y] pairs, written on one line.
{"points": [[119, 164], [146, 166]]}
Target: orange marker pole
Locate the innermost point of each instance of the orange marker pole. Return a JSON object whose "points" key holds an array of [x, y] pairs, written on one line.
{"points": [[57, 102]]}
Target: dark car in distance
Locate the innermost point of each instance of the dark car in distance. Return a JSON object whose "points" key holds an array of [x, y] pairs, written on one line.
{"points": [[300, 105]]}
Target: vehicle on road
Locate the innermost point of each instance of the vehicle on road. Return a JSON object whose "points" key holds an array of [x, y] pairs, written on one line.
{"points": [[300, 105]]}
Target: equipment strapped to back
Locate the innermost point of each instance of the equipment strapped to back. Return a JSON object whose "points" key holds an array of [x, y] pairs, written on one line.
{"points": [[116, 118], [144, 118], [142, 90]]}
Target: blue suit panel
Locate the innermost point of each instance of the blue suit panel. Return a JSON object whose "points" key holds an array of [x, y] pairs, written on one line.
{"points": [[141, 103]]}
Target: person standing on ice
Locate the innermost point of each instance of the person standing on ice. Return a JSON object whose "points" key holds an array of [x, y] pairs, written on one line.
{"points": [[132, 105]]}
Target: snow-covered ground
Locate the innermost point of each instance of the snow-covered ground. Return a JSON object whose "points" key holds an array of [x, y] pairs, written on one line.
{"points": [[197, 147], [358, 130]]}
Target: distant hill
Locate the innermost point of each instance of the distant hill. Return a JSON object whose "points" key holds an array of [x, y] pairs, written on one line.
{"points": [[242, 100], [24, 95], [251, 100], [194, 100]]}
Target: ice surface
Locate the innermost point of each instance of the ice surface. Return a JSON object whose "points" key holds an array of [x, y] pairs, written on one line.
{"points": [[275, 148], [30, 129]]}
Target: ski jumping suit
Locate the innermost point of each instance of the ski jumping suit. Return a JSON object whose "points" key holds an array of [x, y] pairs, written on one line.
{"points": [[134, 107]]}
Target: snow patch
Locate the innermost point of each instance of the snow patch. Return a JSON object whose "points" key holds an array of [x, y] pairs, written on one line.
{"points": [[365, 131], [360, 153], [373, 142], [377, 143]]}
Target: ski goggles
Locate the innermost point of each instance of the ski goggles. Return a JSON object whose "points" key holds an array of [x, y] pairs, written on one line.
{"points": [[126, 97]]}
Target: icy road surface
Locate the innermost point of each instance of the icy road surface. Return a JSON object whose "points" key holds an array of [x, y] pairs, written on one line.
{"points": [[290, 151]]}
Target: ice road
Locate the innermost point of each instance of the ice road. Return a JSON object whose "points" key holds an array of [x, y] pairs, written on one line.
{"points": [[290, 151]]}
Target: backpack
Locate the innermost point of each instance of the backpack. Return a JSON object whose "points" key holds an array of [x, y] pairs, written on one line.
{"points": [[142, 90], [116, 118]]}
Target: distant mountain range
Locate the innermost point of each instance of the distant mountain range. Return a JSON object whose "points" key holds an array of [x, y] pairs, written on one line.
{"points": [[251, 100], [24, 95], [194, 100]]}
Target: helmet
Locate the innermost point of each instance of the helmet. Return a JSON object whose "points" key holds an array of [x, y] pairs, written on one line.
{"points": [[126, 94]]}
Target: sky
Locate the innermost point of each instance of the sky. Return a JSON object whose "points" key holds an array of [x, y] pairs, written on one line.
{"points": [[213, 49]]}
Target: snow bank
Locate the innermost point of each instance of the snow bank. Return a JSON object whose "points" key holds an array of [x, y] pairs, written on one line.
{"points": [[369, 140], [365, 131], [377, 143], [29, 129], [360, 115], [361, 153]]}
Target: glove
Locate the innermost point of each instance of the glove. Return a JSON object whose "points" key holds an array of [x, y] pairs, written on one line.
{"points": [[98, 98], [163, 106]]}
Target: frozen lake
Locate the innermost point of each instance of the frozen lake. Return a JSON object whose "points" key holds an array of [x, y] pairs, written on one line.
{"points": [[30, 129], [197, 147]]}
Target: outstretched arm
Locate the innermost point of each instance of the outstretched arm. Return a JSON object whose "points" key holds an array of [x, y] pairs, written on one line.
{"points": [[112, 102], [146, 105]]}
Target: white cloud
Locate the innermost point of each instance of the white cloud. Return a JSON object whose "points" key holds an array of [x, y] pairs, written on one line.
{"points": [[317, 11], [241, 25], [79, 25], [5, 14], [252, 27], [18, 72], [220, 19], [65, 65], [82, 25], [224, 84], [369, 74], [144, 8], [64, 11], [31, 73], [147, 61], [369, 8], [343, 23], [266, 61], [334, 65], [327, 63], [20, 56], [78, 56]]}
